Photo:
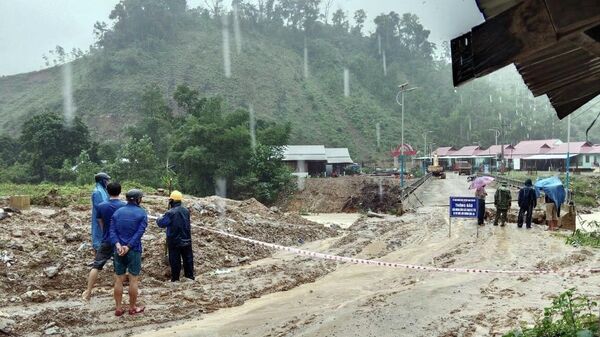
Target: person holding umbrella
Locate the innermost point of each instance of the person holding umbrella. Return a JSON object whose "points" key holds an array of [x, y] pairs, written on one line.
{"points": [[480, 194], [555, 196], [479, 184]]}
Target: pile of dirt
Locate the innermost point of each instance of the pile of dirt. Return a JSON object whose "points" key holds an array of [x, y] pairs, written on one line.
{"points": [[45, 255], [342, 194], [376, 197]]}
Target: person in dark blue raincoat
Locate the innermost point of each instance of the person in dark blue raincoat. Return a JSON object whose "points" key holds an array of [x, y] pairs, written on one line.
{"points": [[527, 202], [179, 237], [99, 195]]}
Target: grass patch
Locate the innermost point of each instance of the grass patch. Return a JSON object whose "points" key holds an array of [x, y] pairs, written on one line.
{"points": [[47, 194], [584, 238], [570, 315]]}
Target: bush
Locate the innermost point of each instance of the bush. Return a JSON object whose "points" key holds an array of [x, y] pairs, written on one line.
{"points": [[570, 315], [581, 238]]}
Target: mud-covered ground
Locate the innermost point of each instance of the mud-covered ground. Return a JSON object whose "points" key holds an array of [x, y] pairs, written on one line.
{"points": [[244, 289], [359, 300], [45, 253]]}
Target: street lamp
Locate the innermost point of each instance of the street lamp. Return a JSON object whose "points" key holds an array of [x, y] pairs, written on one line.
{"points": [[403, 88]]}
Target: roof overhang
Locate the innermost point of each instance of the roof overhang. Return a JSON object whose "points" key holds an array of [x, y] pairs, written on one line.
{"points": [[548, 156], [555, 45]]}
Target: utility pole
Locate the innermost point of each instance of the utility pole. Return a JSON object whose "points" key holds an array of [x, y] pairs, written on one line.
{"points": [[568, 155], [425, 149], [496, 134], [403, 88]]}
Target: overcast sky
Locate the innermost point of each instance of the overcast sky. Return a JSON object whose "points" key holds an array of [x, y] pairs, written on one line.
{"points": [[29, 28]]}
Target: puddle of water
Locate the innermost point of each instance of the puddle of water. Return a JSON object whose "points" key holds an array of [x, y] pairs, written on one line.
{"points": [[344, 220]]}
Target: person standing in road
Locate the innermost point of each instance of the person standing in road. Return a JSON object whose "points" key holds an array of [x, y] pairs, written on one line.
{"points": [[99, 195], [179, 237], [502, 201], [551, 213], [127, 228], [105, 252], [480, 194], [527, 202]]}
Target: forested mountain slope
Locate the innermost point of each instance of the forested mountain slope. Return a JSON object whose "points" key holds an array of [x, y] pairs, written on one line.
{"points": [[162, 42]]}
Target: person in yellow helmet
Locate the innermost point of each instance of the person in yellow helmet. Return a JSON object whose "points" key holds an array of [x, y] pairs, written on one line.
{"points": [[179, 237]]}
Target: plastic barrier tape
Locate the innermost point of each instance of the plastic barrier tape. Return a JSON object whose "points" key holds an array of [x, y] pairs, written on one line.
{"points": [[401, 265]]}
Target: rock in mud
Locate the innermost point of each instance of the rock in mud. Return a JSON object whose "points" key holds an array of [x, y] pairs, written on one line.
{"points": [[6, 325], [72, 236], [84, 246], [51, 271], [52, 331], [4, 215], [6, 257], [36, 296]]}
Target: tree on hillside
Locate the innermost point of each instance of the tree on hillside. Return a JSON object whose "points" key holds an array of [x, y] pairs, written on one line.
{"points": [[300, 14], [214, 143], [360, 16], [414, 37], [138, 162], [47, 142], [339, 20], [157, 121], [142, 21], [9, 150], [387, 28]]}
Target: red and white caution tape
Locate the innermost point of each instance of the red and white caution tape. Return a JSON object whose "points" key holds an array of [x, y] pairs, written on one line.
{"points": [[401, 265]]}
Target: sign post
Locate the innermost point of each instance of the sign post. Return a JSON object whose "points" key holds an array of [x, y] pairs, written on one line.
{"points": [[462, 207]]}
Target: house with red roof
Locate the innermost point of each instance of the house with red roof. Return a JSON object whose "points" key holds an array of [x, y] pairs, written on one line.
{"points": [[583, 156], [541, 155]]}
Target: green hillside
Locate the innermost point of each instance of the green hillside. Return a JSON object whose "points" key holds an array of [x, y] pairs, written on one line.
{"points": [[171, 47]]}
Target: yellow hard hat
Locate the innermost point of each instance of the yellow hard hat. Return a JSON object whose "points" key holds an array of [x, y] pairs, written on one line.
{"points": [[176, 196]]}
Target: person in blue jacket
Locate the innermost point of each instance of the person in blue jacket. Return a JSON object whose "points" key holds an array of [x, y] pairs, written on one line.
{"points": [[99, 195], [179, 237], [128, 225], [527, 202], [105, 252]]}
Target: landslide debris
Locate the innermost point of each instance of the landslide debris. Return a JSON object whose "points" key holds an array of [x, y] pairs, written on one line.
{"points": [[45, 256]]}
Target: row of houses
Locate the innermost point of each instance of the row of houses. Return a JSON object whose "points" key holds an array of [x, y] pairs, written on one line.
{"points": [[527, 155], [316, 160]]}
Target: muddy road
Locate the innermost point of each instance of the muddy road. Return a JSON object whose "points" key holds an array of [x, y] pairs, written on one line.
{"points": [[356, 300], [247, 290]]}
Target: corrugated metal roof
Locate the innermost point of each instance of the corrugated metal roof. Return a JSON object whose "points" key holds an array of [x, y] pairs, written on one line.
{"points": [[304, 152], [497, 149], [532, 147], [472, 150], [591, 150], [573, 147], [568, 74], [491, 8], [443, 151], [338, 155], [554, 44]]}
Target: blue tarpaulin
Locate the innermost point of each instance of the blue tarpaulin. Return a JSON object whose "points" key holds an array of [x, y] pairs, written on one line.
{"points": [[553, 188]]}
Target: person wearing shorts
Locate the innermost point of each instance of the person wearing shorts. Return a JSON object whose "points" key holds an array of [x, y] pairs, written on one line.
{"points": [[128, 226], [105, 211]]}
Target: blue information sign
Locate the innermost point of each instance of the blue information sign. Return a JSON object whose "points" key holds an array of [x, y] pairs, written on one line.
{"points": [[463, 207]]}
